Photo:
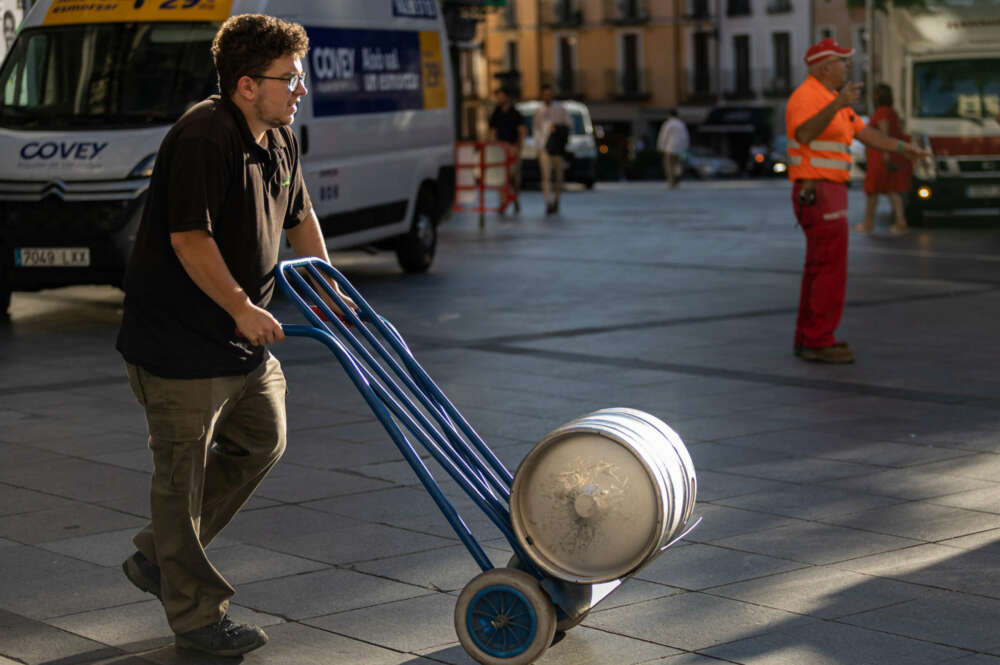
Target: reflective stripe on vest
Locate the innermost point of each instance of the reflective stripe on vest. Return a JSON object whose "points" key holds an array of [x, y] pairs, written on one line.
{"points": [[828, 146], [817, 156], [830, 163]]}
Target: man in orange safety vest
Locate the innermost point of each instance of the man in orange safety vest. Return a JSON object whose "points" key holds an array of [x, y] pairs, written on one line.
{"points": [[821, 124]]}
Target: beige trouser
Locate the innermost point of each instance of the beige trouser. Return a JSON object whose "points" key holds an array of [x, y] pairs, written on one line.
{"points": [[671, 165], [198, 486], [551, 165]]}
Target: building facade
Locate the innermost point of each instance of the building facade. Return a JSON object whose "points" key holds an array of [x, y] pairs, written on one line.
{"points": [[631, 61]]}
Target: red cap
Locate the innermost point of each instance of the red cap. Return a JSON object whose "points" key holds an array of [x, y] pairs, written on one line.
{"points": [[826, 48]]}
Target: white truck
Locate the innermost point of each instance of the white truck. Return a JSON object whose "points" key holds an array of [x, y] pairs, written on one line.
{"points": [[943, 63], [89, 89]]}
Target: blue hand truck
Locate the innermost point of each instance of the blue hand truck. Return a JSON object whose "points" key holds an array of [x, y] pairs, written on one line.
{"points": [[504, 616]]}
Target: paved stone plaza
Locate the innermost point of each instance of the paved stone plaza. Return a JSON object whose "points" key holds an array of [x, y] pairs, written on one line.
{"points": [[851, 513]]}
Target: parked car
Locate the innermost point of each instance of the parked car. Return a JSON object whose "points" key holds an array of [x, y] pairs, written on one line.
{"points": [[582, 147], [703, 162]]}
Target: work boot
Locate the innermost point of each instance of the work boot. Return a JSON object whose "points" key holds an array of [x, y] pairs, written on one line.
{"points": [[143, 573], [226, 638], [835, 354]]}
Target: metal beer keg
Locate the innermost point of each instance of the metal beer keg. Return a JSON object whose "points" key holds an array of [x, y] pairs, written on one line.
{"points": [[601, 496]]}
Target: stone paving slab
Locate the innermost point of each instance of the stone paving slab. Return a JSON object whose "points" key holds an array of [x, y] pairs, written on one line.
{"points": [[920, 520], [937, 566], [826, 643], [823, 592], [692, 621], [815, 543], [945, 618], [323, 592]]}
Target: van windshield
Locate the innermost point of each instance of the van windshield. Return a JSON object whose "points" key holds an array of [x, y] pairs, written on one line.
{"points": [[106, 75], [957, 88], [579, 126]]}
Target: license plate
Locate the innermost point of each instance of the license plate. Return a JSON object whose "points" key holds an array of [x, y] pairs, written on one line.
{"points": [[983, 191], [52, 257]]}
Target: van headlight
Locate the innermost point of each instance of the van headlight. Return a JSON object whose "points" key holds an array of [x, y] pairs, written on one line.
{"points": [[925, 169], [144, 168]]}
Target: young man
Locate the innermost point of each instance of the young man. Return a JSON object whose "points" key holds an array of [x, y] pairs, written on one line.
{"points": [[549, 116], [673, 141], [507, 125], [227, 181], [820, 125]]}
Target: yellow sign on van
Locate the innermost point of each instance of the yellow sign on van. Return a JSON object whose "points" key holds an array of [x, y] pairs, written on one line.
{"points": [[64, 12], [435, 93]]}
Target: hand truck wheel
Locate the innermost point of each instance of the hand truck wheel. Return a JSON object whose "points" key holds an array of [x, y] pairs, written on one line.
{"points": [[563, 621], [503, 617]]}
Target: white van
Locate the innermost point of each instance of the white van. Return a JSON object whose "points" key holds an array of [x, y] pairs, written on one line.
{"points": [[582, 165], [89, 90]]}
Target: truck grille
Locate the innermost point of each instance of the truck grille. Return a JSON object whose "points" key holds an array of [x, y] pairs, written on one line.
{"points": [[68, 221], [979, 165]]}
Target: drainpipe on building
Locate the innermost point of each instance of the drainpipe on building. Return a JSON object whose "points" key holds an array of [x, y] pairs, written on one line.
{"points": [[718, 52], [869, 57], [538, 49]]}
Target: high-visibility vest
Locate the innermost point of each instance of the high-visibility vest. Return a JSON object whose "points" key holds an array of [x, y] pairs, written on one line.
{"points": [[828, 156]]}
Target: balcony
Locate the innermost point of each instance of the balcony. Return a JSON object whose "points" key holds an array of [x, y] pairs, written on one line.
{"points": [[698, 9], [562, 14], [510, 81], [740, 85], [737, 7], [779, 6], [626, 12], [567, 84], [508, 17], [627, 84], [778, 86], [700, 86]]}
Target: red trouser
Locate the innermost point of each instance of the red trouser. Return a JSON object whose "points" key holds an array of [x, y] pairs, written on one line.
{"points": [[824, 280]]}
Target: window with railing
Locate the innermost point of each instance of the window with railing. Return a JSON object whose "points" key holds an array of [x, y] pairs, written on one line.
{"points": [[740, 86], [626, 12], [698, 9], [699, 78], [563, 13], [737, 7], [508, 15], [779, 6], [780, 83]]}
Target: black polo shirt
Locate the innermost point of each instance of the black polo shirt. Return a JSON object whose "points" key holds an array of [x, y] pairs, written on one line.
{"points": [[210, 174], [506, 123]]}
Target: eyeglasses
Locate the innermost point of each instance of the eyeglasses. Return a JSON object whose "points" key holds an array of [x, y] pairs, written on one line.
{"points": [[292, 81]]}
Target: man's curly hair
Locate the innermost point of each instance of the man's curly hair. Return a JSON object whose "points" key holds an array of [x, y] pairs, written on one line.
{"points": [[247, 44]]}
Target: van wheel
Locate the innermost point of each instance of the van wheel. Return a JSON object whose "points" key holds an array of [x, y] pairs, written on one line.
{"points": [[589, 183], [415, 249]]}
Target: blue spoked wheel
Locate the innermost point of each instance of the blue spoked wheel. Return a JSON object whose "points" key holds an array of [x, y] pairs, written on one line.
{"points": [[504, 618]]}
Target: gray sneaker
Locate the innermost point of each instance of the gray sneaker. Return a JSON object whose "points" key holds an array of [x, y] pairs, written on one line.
{"points": [[226, 638], [143, 573]]}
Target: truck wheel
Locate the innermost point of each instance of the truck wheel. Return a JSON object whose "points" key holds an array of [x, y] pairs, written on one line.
{"points": [[415, 249]]}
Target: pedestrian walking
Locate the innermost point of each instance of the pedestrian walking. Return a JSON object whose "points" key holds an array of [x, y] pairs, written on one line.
{"points": [[820, 126], [507, 125], [887, 172], [194, 331], [673, 141], [550, 128]]}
